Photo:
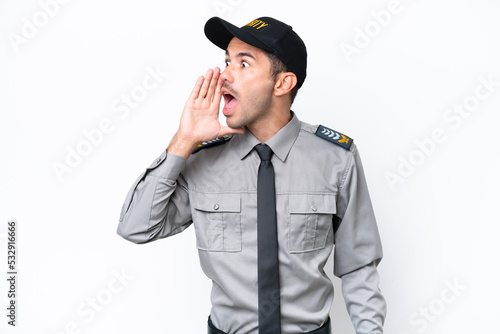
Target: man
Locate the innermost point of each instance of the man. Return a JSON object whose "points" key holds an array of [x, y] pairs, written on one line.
{"points": [[268, 195]]}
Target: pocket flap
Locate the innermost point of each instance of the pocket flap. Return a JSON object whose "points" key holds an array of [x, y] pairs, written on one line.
{"points": [[211, 202], [312, 203]]}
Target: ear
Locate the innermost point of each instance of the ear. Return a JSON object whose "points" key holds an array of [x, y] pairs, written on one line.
{"points": [[284, 83]]}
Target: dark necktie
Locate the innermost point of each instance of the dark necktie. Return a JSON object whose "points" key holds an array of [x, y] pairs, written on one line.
{"points": [[267, 241]]}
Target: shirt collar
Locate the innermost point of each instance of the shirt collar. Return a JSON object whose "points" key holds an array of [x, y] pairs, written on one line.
{"points": [[280, 143]]}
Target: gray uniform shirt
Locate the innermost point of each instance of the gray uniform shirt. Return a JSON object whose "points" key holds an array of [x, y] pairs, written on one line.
{"points": [[319, 186]]}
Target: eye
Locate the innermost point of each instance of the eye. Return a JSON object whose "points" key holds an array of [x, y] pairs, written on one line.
{"points": [[226, 63], [244, 64]]}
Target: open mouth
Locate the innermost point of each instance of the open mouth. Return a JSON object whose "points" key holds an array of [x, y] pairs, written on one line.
{"points": [[229, 103]]}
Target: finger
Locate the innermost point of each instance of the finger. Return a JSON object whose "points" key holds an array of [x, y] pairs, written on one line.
{"points": [[213, 83], [218, 94], [196, 88], [206, 82]]}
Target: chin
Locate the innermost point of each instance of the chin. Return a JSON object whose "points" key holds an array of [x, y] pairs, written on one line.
{"points": [[233, 125], [233, 122]]}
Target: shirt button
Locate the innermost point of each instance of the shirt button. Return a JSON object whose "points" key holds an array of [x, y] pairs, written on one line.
{"points": [[314, 208], [216, 207]]}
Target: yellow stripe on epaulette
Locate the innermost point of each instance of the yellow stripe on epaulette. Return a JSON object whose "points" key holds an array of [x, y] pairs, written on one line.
{"points": [[212, 143], [334, 136]]}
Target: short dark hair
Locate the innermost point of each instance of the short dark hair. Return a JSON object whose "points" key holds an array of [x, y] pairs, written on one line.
{"points": [[277, 67]]}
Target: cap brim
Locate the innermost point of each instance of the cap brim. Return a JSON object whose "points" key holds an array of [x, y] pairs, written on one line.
{"points": [[221, 32]]}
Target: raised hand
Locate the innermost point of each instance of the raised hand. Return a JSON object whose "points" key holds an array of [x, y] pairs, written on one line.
{"points": [[200, 117]]}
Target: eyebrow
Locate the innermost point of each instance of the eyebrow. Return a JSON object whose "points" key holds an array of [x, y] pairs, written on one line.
{"points": [[242, 54]]}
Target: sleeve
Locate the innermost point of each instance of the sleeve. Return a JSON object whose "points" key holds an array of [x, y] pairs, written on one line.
{"points": [[364, 301], [157, 204], [358, 250]]}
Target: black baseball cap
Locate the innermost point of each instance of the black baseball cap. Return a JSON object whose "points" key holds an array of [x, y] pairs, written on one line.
{"points": [[265, 33]]}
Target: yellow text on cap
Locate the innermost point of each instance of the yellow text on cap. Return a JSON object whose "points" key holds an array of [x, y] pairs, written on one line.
{"points": [[257, 24]]}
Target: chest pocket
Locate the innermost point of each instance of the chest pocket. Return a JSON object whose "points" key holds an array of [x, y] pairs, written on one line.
{"points": [[217, 222], [310, 221]]}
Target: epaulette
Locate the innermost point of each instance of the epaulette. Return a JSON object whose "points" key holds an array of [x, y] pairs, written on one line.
{"points": [[334, 136], [212, 143]]}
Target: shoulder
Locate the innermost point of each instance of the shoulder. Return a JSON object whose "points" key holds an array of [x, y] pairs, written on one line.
{"points": [[323, 133]]}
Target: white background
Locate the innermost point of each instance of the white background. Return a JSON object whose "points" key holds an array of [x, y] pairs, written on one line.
{"points": [[438, 222]]}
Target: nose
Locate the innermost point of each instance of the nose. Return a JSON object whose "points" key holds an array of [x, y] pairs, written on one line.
{"points": [[227, 74]]}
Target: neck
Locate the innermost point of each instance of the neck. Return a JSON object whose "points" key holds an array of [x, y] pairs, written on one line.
{"points": [[264, 129]]}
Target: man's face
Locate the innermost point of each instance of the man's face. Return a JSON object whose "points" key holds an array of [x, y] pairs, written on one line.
{"points": [[248, 85]]}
